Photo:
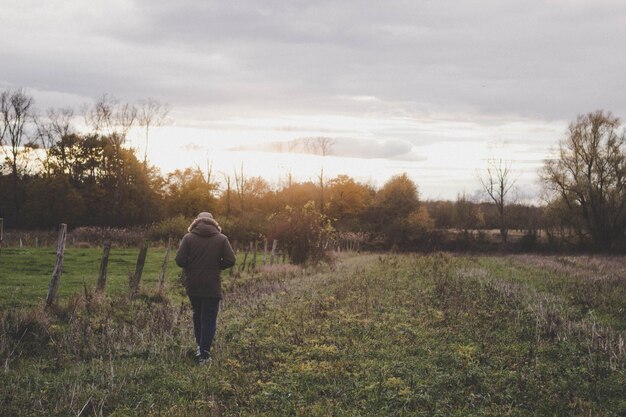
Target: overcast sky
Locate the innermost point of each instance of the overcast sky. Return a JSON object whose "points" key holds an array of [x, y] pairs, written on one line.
{"points": [[385, 78]]}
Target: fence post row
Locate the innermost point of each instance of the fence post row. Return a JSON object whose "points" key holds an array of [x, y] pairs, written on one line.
{"points": [[141, 260], [164, 267], [58, 268], [102, 276]]}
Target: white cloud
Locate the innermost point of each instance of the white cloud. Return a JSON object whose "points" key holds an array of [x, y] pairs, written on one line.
{"points": [[392, 149]]}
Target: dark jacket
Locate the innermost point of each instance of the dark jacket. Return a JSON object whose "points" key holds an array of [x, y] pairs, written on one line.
{"points": [[202, 254]]}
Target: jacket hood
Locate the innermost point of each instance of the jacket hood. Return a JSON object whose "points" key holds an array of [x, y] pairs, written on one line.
{"points": [[204, 229], [204, 221]]}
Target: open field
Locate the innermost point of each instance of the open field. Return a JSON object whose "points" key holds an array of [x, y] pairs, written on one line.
{"points": [[397, 335]]}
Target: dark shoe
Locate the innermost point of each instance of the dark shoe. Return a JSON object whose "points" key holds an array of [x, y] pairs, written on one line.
{"points": [[205, 361]]}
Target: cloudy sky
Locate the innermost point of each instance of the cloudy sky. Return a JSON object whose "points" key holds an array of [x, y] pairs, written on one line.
{"points": [[431, 88]]}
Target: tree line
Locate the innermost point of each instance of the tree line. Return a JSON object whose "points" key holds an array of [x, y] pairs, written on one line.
{"points": [[53, 173]]}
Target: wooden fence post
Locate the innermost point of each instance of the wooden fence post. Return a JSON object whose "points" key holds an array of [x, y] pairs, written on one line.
{"points": [[164, 267], [252, 265], [141, 261], [1, 233], [245, 258], [264, 252], [274, 243], [233, 268], [104, 262], [58, 267]]}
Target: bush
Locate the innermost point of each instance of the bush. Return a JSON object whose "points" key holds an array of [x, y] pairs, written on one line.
{"points": [[174, 227], [118, 236], [303, 231]]}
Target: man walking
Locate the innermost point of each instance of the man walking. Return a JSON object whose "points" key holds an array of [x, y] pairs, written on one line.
{"points": [[202, 254]]}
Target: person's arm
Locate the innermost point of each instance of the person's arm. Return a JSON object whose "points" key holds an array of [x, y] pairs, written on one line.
{"points": [[182, 255], [228, 256]]}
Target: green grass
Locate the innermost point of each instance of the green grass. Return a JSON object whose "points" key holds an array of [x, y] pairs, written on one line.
{"points": [[379, 335], [26, 273]]}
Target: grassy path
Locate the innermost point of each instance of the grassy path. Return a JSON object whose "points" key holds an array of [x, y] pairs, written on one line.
{"points": [[380, 335]]}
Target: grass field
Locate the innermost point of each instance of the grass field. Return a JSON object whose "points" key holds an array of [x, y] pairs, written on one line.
{"points": [[25, 273], [396, 335]]}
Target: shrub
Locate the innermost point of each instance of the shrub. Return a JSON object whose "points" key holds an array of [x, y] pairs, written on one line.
{"points": [[174, 227], [118, 236], [303, 231]]}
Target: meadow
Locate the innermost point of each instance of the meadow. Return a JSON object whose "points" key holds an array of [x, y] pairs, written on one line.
{"points": [[371, 335]]}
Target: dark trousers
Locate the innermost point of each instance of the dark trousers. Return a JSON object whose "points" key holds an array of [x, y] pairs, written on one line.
{"points": [[204, 322]]}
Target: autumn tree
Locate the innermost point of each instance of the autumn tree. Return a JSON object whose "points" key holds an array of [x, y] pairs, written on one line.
{"points": [[589, 176], [304, 231], [395, 210], [189, 193], [348, 200], [320, 145]]}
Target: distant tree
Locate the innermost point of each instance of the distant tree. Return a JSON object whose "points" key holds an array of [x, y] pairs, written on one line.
{"points": [[52, 200], [188, 193], [240, 187], [348, 200], [151, 113], [497, 182], [442, 213], [297, 194], [397, 198], [50, 131], [466, 214], [111, 118], [16, 110], [393, 209], [319, 145], [303, 231], [589, 176]]}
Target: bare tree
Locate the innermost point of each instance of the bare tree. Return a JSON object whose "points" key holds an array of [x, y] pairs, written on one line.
{"points": [[588, 179], [497, 182], [240, 184], [15, 111], [320, 177], [151, 113], [228, 191], [51, 131], [209, 170], [320, 145], [110, 117]]}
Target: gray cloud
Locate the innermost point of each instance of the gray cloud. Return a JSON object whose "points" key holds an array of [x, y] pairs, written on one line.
{"points": [[537, 59]]}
